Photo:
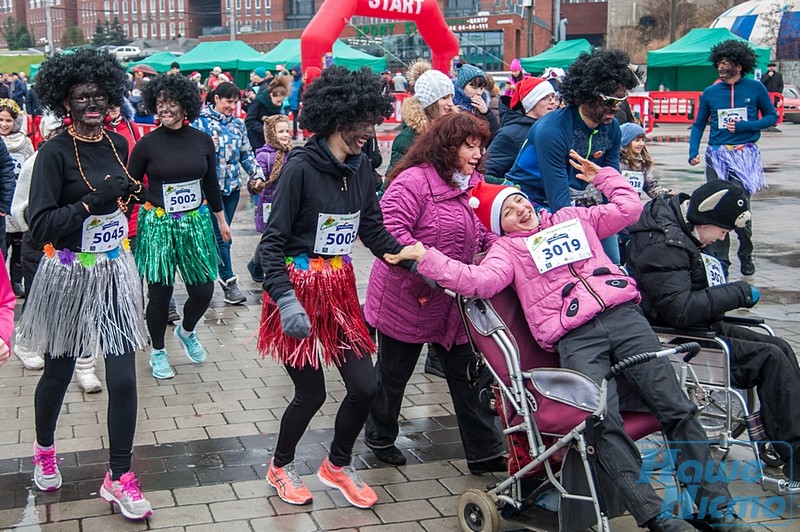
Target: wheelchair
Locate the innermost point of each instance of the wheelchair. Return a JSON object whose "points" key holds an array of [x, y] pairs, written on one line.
{"points": [[724, 411]]}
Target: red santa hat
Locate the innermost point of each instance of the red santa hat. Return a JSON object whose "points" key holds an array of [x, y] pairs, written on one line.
{"points": [[530, 91], [487, 202]]}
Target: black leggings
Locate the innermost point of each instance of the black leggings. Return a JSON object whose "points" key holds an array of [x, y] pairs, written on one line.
{"points": [[122, 404], [309, 396], [158, 308]]}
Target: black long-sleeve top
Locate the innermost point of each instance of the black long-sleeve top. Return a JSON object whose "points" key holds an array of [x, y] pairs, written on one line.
{"points": [[7, 179], [55, 207], [174, 156], [313, 181]]}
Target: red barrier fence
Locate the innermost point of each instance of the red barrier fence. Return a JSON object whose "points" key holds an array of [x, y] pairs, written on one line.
{"points": [[642, 107]]}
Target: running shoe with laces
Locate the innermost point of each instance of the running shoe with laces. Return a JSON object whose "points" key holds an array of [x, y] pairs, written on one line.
{"points": [[191, 345], [46, 475], [346, 480], [160, 364], [127, 493], [287, 483]]}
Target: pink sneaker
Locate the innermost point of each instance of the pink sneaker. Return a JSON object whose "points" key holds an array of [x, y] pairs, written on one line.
{"points": [[128, 496], [46, 475]]}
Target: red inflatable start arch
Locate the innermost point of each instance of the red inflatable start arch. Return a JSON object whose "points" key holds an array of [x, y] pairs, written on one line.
{"points": [[333, 16]]}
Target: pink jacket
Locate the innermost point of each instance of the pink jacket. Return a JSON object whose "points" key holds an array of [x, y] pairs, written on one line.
{"points": [[564, 298], [7, 302], [420, 206]]}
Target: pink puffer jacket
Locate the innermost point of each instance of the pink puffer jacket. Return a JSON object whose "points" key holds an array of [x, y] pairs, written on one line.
{"points": [[564, 298], [420, 206]]}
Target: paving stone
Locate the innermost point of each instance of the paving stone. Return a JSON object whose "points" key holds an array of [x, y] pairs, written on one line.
{"points": [[245, 509], [181, 516], [423, 489], [228, 526], [430, 471], [251, 489], [238, 429], [446, 506], [115, 522], [200, 420], [397, 512], [180, 435], [204, 494], [285, 523], [446, 524], [61, 526], [344, 517], [401, 527]]}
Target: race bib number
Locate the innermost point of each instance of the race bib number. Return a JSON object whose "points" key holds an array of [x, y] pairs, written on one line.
{"points": [[336, 233], [735, 114], [180, 197], [266, 208], [103, 232], [18, 161], [715, 274], [636, 179], [556, 246]]}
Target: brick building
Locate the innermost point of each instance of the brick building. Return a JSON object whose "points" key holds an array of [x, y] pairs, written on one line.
{"points": [[491, 32]]}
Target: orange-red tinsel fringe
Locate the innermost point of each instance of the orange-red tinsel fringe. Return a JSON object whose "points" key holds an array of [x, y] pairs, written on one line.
{"points": [[330, 299]]}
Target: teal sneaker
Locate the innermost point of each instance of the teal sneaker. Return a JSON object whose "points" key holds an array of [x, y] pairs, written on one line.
{"points": [[160, 364], [191, 345]]}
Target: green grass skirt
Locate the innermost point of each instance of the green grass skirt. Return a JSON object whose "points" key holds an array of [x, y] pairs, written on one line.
{"points": [[183, 241]]}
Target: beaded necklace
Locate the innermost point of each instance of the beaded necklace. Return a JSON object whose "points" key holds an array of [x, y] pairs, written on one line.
{"points": [[123, 204]]}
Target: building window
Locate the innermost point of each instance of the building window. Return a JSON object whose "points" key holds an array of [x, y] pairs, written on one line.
{"points": [[134, 6], [134, 30], [182, 28], [124, 7], [144, 30]]}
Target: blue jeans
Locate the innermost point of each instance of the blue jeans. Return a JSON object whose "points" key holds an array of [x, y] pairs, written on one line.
{"points": [[229, 204]]}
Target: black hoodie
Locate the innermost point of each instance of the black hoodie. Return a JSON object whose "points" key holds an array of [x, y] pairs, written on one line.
{"points": [[261, 107], [664, 258], [313, 181]]}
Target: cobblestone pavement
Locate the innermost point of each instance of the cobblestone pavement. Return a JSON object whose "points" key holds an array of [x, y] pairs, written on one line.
{"points": [[204, 438]]}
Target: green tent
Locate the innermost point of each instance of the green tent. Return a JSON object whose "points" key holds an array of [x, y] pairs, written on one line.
{"points": [[684, 65], [235, 57], [561, 55], [160, 61], [287, 53]]}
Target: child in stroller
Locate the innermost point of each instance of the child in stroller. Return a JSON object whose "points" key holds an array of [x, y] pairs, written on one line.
{"points": [[576, 300]]}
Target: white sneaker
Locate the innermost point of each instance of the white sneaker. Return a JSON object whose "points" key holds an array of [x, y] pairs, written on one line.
{"points": [[28, 358], [84, 374], [46, 475]]}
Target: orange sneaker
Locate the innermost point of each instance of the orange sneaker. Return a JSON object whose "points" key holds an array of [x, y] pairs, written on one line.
{"points": [[287, 483], [347, 481]]}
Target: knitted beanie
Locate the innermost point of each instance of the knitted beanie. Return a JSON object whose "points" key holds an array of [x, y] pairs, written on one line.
{"points": [[719, 203], [516, 66], [630, 130], [431, 86], [487, 202], [530, 91], [466, 73], [261, 72]]}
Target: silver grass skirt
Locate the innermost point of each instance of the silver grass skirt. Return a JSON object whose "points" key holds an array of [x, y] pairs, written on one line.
{"points": [[84, 304]]}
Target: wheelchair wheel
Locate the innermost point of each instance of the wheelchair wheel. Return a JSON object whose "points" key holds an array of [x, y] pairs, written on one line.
{"points": [[477, 512], [767, 454], [713, 406]]}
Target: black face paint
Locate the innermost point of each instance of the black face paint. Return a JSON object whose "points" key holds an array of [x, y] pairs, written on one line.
{"points": [[88, 104], [360, 132]]}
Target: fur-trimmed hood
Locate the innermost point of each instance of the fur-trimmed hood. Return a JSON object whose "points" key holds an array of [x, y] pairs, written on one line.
{"points": [[414, 115]]}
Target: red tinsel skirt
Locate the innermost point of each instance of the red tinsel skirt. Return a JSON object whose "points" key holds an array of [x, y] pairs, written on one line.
{"points": [[329, 296]]}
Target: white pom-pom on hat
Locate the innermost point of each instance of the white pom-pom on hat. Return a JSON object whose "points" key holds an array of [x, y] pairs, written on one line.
{"points": [[474, 202]]}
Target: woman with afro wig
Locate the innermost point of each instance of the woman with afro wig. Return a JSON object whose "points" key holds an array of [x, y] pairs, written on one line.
{"points": [[175, 231], [324, 200], [86, 296]]}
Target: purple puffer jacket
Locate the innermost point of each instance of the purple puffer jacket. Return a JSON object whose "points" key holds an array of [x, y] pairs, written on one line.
{"points": [[265, 156], [420, 206], [564, 298]]}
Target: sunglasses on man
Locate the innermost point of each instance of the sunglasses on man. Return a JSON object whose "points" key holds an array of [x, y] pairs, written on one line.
{"points": [[611, 101]]}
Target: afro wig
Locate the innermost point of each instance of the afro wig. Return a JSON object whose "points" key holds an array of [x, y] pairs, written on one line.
{"points": [[737, 52], [179, 88], [341, 98], [601, 71], [59, 74]]}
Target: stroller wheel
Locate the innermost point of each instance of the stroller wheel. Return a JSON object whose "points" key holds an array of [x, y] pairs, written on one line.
{"points": [[477, 512]]}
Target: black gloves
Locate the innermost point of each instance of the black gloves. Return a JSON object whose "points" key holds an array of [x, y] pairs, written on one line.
{"points": [[113, 187]]}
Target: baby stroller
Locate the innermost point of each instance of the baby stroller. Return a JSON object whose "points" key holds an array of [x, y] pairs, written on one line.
{"points": [[547, 414]]}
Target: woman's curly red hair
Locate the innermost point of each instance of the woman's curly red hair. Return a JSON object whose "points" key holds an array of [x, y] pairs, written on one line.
{"points": [[439, 145]]}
